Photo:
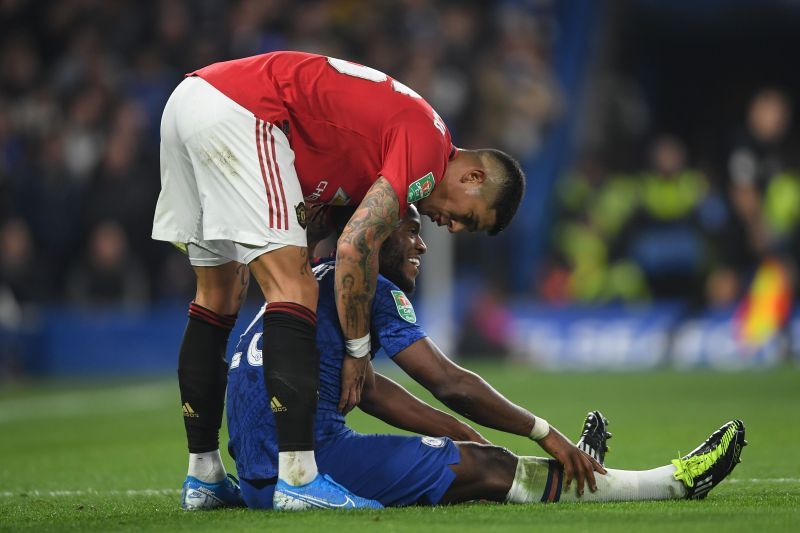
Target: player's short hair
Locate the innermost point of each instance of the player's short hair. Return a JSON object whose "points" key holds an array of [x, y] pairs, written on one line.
{"points": [[508, 181]]}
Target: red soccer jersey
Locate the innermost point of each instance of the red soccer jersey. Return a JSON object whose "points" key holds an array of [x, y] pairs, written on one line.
{"points": [[347, 124]]}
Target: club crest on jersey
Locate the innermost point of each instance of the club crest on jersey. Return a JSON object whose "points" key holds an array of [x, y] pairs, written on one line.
{"points": [[421, 188], [404, 307], [433, 442], [300, 210]]}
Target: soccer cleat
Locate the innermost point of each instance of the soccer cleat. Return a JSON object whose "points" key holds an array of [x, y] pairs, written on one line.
{"points": [[712, 461], [320, 493], [594, 436], [198, 495]]}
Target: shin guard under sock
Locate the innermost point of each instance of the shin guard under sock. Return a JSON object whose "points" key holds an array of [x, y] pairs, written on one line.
{"points": [[203, 376], [542, 480], [291, 372]]}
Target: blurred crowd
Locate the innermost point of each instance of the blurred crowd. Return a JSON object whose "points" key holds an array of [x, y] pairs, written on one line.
{"points": [[674, 230], [84, 82]]}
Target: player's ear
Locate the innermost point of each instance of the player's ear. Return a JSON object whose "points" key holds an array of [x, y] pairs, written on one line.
{"points": [[474, 175]]}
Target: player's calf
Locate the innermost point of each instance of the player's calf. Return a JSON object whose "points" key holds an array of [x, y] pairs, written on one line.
{"points": [[202, 378], [691, 476]]}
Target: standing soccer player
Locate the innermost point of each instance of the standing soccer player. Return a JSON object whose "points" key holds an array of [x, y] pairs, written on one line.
{"points": [[244, 145]]}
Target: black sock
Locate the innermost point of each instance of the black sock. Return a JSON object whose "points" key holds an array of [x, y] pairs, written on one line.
{"points": [[291, 372], [203, 376]]}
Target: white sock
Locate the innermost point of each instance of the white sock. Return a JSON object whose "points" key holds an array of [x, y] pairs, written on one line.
{"points": [[297, 468], [529, 480], [531, 485], [207, 466], [630, 485]]}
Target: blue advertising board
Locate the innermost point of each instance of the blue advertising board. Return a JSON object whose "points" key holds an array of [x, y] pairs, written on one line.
{"points": [[68, 342], [611, 338], [711, 340]]}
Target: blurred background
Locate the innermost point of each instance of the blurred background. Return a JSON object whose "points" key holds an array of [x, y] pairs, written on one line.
{"points": [[661, 225]]}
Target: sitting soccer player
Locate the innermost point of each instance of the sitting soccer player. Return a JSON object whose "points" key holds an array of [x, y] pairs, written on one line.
{"points": [[453, 463]]}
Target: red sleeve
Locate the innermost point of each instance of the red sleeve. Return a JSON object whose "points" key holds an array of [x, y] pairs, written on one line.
{"points": [[415, 153]]}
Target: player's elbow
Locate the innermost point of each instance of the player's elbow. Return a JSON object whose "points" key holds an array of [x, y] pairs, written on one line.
{"points": [[456, 391], [347, 251], [455, 397], [355, 242]]}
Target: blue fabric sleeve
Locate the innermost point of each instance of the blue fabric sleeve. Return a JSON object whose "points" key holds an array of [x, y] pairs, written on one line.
{"points": [[394, 322]]}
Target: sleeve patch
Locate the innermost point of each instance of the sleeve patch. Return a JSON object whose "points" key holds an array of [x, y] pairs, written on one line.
{"points": [[421, 188], [404, 307]]}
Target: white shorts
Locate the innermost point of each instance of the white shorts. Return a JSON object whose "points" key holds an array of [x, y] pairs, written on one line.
{"points": [[228, 183]]}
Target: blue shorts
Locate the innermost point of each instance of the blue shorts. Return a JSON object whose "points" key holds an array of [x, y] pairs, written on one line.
{"points": [[396, 470]]}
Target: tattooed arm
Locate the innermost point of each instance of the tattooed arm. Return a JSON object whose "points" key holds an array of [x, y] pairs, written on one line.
{"points": [[357, 274]]}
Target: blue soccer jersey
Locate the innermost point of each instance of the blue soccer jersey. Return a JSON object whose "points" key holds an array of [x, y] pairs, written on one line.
{"points": [[253, 441]]}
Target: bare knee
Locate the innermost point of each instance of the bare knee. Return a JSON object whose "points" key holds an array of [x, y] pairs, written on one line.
{"points": [[498, 466], [484, 472]]}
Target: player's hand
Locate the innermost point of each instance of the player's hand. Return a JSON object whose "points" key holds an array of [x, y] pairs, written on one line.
{"points": [[318, 223], [578, 465], [353, 371]]}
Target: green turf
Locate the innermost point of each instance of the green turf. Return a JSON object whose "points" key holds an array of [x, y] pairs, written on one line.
{"points": [[94, 442]]}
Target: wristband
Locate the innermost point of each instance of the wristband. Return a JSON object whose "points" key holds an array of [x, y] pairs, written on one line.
{"points": [[358, 348], [541, 428]]}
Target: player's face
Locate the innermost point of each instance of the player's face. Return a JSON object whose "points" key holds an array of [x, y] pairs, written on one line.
{"points": [[400, 253], [459, 202]]}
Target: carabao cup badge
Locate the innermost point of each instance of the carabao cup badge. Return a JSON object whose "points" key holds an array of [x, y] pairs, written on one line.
{"points": [[421, 188], [404, 307]]}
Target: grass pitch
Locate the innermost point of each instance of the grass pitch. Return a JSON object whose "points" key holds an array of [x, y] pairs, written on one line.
{"points": [[105, 457]]}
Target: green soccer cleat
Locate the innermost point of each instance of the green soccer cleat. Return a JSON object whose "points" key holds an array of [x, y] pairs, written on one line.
{"points": [[712, 461]]}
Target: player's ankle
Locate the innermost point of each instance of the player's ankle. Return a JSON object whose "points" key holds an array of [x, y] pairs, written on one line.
{"points": [[297, 467], [207, 467]]}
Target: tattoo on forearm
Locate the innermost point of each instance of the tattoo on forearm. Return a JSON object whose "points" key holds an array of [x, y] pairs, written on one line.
{"points": [[357, 273], [351, 318]]}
